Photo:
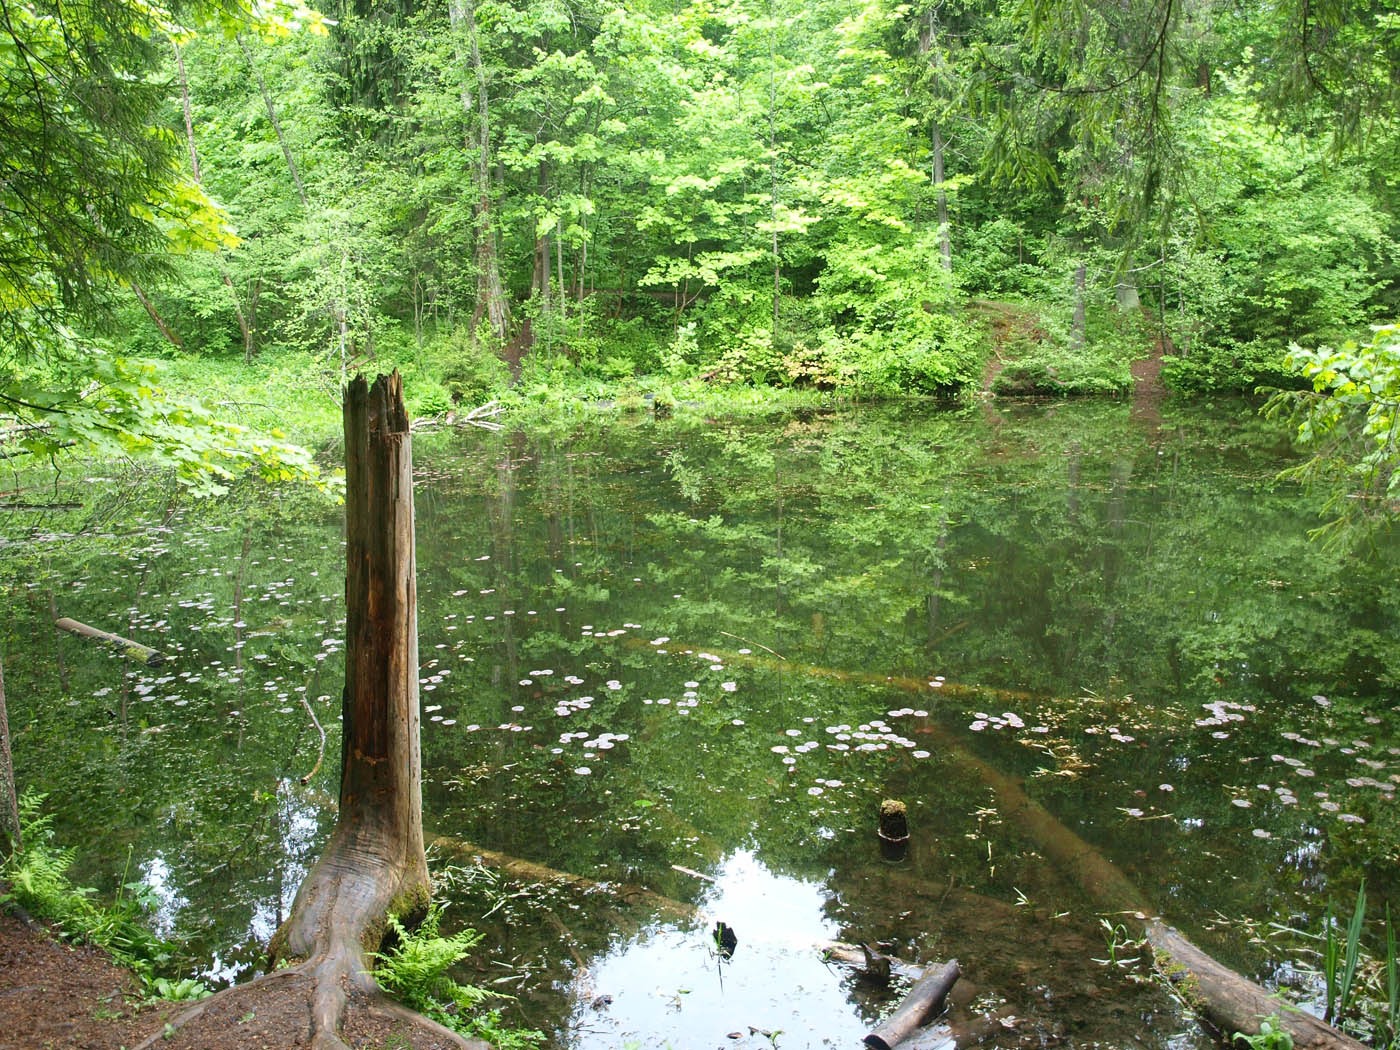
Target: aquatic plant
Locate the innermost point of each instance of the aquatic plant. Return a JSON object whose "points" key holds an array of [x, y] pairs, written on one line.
{"points": [[1269, 1037], [1339, 959]]}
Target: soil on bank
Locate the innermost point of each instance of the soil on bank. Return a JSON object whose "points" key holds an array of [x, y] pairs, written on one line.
{"points": [[56, 996]]}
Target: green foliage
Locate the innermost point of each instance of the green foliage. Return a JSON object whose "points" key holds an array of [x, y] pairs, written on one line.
{"points": [[38, 878], [416, 971], [1049, 369], [113, 408], [1340, 958], [489, 1025], [1227, 366], [891, 315], [994, 260], [186, 989], [1350, 420], [1269, 1037]]}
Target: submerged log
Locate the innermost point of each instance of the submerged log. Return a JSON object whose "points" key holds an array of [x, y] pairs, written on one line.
{"points": [[960, 1036], [531, 871], [1228, 1000], [924, 1000], [132, 650]]}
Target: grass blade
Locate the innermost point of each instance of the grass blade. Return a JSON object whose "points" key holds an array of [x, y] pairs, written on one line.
{"points": [[1346, 985]]}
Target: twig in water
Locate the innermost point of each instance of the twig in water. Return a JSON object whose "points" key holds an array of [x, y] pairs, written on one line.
{"points": [[317, 723], [765, 648]]}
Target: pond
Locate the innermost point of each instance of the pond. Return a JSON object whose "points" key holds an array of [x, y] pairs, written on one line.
{"points": [[683, 662]]}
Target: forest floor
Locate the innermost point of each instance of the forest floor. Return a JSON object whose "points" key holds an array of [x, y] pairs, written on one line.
{"points": [[56, 996], [1148, 389]]}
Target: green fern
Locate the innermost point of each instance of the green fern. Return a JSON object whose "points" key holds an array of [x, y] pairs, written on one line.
{"points": [[39, 883], [415, 971]]}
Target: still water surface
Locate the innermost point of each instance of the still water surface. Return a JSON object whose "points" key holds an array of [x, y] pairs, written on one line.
{"points": [[717, 645]]}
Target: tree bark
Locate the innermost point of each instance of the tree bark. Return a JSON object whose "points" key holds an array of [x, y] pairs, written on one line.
{"points": [[7, 764], [135, 650], [1079, 330], [154, 314], [276, 125], [927, 36], [945, 244], [923, 1001], [249, 349], [773, 173], [373, 865], [490, 294]]}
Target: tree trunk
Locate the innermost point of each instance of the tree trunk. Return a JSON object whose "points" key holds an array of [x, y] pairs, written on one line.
{"points": [[945, 244], [276, 125], [7, 764], [1079, 331], [773, 172], [490, 294], [374, 862], [155, 316], [1126, 293], [373, 865], [248, 348]]}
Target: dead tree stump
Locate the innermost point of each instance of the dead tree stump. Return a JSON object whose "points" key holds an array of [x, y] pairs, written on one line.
{"points": [[373, 865]]}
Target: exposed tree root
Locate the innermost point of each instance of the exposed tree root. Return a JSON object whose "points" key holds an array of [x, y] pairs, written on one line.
{"points": [[338, 918], [314, 1004]]}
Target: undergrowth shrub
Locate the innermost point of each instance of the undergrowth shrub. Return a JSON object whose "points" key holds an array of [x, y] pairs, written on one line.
{"points": [[39, 882], [470, 369], [416, 971]]}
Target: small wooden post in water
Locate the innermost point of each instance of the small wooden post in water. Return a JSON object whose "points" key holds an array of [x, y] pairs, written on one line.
{"points": [[894, 830]]}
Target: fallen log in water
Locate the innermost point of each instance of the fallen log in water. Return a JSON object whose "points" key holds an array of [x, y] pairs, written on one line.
{"points": [[924, 1000], [856, 957], [1230, 1001], [530, 871], [960, 1036], [133, 650]]}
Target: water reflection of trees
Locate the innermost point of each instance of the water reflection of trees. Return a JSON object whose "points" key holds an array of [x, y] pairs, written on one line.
{"points": [[1097, 573]]}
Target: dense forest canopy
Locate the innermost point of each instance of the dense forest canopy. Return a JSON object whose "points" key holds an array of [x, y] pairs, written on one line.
{"points": [[883, 197]]}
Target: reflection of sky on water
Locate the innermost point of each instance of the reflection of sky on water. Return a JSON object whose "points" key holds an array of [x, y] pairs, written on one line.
{"points": [[299, 823], [155, 873], [669, 987]]}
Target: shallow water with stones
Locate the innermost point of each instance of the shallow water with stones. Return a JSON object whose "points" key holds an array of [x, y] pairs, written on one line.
{"points": [[716, 645]]}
